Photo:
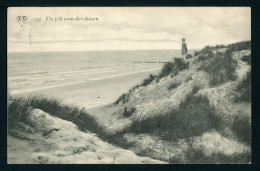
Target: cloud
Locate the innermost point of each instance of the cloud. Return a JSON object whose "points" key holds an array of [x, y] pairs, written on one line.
{"points": [[127, 27]]}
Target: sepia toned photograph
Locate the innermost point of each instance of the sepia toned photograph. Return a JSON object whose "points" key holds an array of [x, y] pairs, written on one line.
{"points": [[129, 85]]}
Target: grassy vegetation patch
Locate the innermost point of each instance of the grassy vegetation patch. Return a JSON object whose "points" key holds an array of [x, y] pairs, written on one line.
{"points": [[148, 80], [206, 56], [221, 68], [128, 111], [244, 89], [242, 128], [245, 45], [173, 67], [247, 59], [208, 49], [193, 117], [196, 156], [123, 98], [173, 86], [19, 109], [168, 68]]}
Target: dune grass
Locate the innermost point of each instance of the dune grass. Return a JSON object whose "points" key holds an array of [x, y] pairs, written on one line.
{"points": [[244, 89], [242, 128], [196, 156], [128, 111], [173, 67], [148, 80], [247, 59], [245, 45], [221, 68], [205, 50], [19, 109], [193, 117], [232, 47], [169, 68], [123, 98], [173, 86], [206, 56]]}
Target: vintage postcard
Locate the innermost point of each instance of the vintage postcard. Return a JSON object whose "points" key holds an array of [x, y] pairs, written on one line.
{"points": [[129, 85]]}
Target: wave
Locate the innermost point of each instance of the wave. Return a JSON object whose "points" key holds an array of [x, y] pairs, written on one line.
{"points": [[21, 91]]}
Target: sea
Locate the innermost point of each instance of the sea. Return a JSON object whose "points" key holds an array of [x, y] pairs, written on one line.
{"points": [[30, 72]]}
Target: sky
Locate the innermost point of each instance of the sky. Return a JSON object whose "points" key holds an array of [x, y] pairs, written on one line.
{"points": [[125, 28]]}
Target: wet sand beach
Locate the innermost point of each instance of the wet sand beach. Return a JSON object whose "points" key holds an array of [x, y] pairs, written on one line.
{"points": [[92, 93]]}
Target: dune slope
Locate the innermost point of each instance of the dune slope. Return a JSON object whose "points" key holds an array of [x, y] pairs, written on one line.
{"points": [[51, 140]]}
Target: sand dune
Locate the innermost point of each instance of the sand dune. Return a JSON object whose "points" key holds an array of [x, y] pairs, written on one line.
{"points": [[65, 144]]}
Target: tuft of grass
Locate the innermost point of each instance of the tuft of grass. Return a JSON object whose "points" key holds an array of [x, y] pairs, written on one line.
{"points": [[18, 110], [242, 128], [196, 156], [244, 89], [193, 117], [247, 58], [173, 67], [173, 86], [128, 111], [118, 139], [123, 98], [188, 79], [189, 56], [196, 53], [221, 68], [195, 90], [167, 69], [181, 64], [148, 80], [207, 49], [206, 56]]}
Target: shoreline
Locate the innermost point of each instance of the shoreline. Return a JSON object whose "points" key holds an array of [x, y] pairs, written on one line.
{"points": [[93, 93], [17, 92]]}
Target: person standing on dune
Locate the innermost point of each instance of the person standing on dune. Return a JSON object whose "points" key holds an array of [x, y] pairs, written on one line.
{"points": [[184, 50]]}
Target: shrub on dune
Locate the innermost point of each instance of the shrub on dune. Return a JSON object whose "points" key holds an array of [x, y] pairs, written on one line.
{"points": [[221, 68], [173, 67], [148, 80], [167, 69], [123, 98]]}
